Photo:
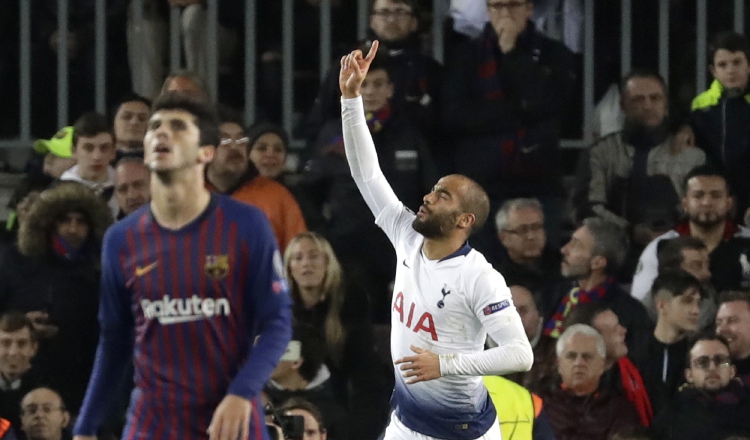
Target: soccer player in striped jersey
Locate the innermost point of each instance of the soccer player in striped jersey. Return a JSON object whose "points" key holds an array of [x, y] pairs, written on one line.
{"points": [[192, 287], [446, 299]]}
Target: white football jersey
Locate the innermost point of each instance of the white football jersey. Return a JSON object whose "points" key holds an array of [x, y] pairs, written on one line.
{"points": [[442, 306]]}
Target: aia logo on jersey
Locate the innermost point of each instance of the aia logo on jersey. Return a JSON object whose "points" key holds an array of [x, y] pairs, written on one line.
{"points": [[496, 307], [217, 266], [423, 323]]}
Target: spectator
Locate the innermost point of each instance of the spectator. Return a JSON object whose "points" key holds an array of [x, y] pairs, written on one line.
{"points": [[325, 300], [130, 122], [714, 404], [148, 40], [661, 358], [302, 374], [721, 114], [187, 82], [58, 152], [232, 173], [590, 259], [733, 323], [20, 202], [53, 277], [620, 374], [315, 428], [268, 148], [94, 149], [44, 416], [634, 177], [407, 165], [132, 185], [578, 409], [416, 77], [708, 205], [18, 346], [688, 254], [521, 411], [544, 366], [526, 260], [501, 104]]}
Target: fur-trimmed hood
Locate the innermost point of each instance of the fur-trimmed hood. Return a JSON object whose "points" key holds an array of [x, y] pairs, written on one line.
{"points": [[34, 234]]}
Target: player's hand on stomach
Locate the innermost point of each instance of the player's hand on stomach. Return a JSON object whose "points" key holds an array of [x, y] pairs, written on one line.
{"points": [[231, 420], [425, 365]]}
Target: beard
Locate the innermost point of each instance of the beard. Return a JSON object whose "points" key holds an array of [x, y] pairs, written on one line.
{"points": [[435, 225], [707, 220]]}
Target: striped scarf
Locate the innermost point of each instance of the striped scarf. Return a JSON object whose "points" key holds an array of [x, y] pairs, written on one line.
{"points": [[553, 327]]}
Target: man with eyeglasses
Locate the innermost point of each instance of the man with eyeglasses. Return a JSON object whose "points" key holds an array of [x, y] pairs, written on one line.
{"points": [[416, 77], [714, 404], [43, 415], [232, 173], [525, 258], [502, 102]]}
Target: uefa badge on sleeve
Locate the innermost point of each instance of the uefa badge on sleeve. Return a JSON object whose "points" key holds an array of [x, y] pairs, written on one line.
{"points": [[217, 266]]}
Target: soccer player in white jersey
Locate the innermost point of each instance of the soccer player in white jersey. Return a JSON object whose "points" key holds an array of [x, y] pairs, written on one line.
{"points": [[446, 299]]}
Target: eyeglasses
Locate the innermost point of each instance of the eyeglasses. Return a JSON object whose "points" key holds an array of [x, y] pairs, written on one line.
{"points": [[704, 362], [510, 6], [525, 229], [398, 14], [30, 410], [243, 141]]}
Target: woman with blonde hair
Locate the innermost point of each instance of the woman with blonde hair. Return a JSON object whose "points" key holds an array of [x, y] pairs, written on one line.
{"points": [[324, 299]]}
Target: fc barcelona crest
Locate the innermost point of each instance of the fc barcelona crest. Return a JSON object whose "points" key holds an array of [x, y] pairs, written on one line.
{"points": [[217, 266]]}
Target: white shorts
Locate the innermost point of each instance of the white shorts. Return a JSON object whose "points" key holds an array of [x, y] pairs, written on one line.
{"points": [[397, 431]]}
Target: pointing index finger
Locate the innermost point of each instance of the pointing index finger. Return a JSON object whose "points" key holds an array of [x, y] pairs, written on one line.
{"points": [[373, 50]]}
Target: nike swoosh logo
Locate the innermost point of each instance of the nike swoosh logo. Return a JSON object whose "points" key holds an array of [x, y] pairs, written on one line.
{"points": [[404, 262], [141, 271]]}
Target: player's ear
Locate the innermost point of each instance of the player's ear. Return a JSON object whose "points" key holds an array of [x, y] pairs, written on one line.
{"points": [[466, 220], [206, 153]]}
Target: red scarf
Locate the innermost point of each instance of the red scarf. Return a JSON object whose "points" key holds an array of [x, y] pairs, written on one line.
{"points": [[730, 229], [553, 327], [635, 391]]}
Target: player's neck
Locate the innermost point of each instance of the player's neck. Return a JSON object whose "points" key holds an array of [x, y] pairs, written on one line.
{"points": [[179, 197], [222, 181], [711, 236], [591, 281], [666, 333], [439, 248]]}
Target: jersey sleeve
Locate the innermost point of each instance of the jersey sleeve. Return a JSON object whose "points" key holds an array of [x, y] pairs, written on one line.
{"points": [[395, 220], [268, 310], [492, 304], [115, 338], [363, 158]]}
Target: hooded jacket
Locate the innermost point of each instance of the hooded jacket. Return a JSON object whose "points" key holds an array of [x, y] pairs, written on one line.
{"points": [[36, 277], [105, 190]]}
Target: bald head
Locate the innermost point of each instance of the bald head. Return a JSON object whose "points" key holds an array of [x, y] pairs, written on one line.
{"points": [[474, 200], [43, 415]]}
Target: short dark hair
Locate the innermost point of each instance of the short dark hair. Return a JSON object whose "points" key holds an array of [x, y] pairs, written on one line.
{"points": [[128, 97], [300, 403], [706, 170], [15, 321], [640, 72], [476, 202], [670, 252], [228, 114], [90, 124], [734, 295], [196, 79], [610, 241], [585, 313], [205, 114], [729, 41], [675, 282], [706, 335], [413, 4], [313, 350]]}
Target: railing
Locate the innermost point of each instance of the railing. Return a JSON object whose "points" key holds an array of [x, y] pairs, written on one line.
{"points": [[250, 54]]}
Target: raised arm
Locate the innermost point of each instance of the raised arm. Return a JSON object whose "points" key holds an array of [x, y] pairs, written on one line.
{"points": [[360, 149]]}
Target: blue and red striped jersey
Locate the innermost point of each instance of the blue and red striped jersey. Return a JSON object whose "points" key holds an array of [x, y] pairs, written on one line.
{"points": [[205, 310]]}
